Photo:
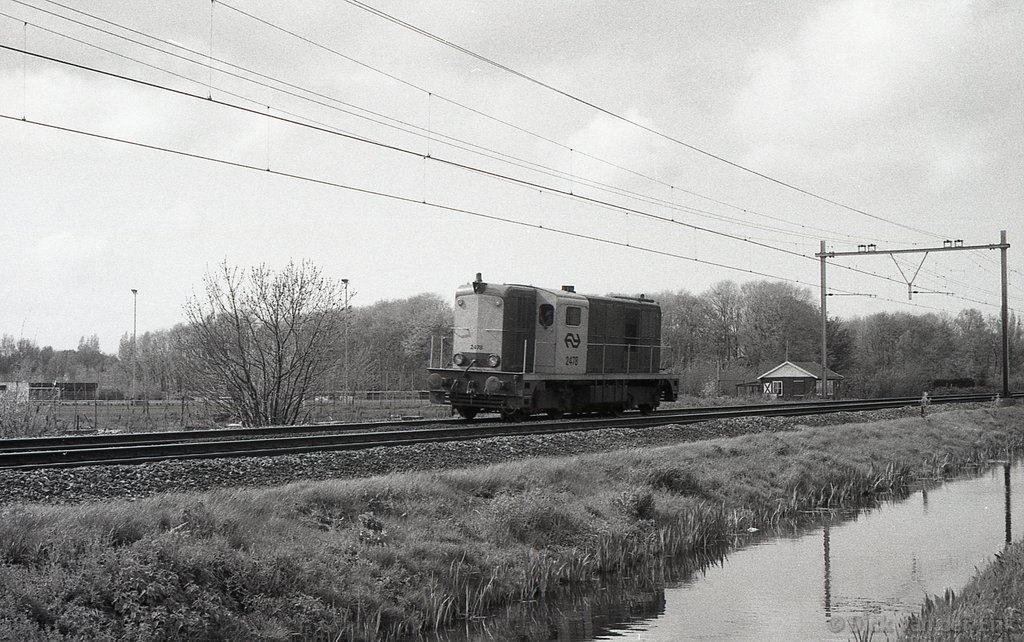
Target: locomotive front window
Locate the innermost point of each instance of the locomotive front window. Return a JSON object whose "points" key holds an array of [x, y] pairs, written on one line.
{"points": [[546, 315], [573, 315]]}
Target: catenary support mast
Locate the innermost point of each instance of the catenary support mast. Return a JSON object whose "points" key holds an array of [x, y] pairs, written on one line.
{"points": [[824, 329], [948, 246]]}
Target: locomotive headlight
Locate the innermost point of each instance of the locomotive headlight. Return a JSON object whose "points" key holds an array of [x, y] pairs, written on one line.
{"points": [[459, 359], [493, 360]]}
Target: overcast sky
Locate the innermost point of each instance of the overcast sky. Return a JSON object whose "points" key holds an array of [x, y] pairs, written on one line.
{"points": [[898, 123]]}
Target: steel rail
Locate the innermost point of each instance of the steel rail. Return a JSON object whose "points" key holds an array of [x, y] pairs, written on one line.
{"points": [[64, 442], [92, 454], [67, 442], [181, 436]]}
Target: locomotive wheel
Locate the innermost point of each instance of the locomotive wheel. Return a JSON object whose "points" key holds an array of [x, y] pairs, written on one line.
{"points": [[645, 408], [467, 413], [555, 413]]}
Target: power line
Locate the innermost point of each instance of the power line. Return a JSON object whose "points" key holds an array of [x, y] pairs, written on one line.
{"points": [[625, 119], [395, 197], [396, 148], [382, 14], [518, 128], [423, 202], [459, 144], [402, 125], [454, 164]]}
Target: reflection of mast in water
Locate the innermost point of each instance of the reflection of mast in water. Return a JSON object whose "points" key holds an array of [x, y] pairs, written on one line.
{"points": [[924, 501], [828, 577], [1006, 485]]}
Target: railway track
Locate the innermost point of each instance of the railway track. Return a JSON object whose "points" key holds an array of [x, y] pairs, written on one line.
{"points": [[50, 452]]}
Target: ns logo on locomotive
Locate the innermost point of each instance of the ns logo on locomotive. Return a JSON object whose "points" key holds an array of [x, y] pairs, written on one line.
{"points": [[521, 350]]}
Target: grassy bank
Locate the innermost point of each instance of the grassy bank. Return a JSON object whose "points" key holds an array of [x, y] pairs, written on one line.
{"points": [[397, 555], [991, 606]]}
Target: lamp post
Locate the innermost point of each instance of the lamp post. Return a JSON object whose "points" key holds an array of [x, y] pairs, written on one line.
{"points": [[347, 379], [135, 319]]}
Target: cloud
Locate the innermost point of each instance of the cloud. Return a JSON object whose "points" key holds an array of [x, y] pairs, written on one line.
{"points": [[618, 142], [856, 68], [67, 249]]}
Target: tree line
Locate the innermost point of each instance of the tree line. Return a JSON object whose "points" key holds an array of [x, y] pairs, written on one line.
{"points": [[262, 342], [755, 326]]}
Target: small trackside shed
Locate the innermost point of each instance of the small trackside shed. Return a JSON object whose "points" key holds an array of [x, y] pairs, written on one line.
{"points": [[798, 380]]}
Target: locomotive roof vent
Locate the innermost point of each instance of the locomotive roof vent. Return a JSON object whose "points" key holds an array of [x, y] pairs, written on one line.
{"points": [[478, 285], [568, 288]]}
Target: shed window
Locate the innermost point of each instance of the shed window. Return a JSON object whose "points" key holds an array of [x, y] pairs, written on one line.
{"points": [[573, 315], [776, 387]]}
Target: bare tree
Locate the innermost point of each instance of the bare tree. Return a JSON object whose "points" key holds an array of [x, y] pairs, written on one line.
{"points": [[258, 342]]}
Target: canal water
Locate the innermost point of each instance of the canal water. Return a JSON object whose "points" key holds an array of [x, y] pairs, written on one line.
{"points": [[847, 576]]}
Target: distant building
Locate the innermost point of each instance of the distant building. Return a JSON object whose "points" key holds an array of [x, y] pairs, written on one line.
{"points": [[50, 390], [16, 389], [798, 380], [735, 379]]}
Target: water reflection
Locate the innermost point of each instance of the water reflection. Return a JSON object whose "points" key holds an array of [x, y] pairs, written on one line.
{"points": [[598, 612], [828, 575], [878, 566], [848, 575], [1008, 511]]}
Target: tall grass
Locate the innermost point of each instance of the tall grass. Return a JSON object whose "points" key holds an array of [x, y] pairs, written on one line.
{"points": [[991, 606], [397, 556]]}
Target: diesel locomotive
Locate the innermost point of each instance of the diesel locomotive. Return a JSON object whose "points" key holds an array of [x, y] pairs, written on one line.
{"points": [[521, 350]]}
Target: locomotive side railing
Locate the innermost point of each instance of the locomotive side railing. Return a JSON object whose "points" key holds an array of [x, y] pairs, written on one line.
{"points": [[638, 358]]}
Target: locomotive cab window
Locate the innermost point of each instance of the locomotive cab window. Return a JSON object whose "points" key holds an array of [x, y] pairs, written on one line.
{"points": [[546, 315], [573, 315]]}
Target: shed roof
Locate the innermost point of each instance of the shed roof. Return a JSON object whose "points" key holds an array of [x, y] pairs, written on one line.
{"points": [[799, 369]]}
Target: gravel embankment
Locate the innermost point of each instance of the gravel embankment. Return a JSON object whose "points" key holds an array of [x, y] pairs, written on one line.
{"points": [[91, 483]]}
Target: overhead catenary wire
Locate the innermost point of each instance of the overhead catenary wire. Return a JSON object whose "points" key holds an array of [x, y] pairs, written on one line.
{"points": [[523, 164], [395, 148], [518, 128], [527, 165], [597, 202], [425, 203], [462, 166], [625, 119], [395, 197], [432, 36], [397, 123]]}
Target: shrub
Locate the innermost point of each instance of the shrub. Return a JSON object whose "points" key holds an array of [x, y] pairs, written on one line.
{"points": [[539, 519], [673, 480], [636, 504], [372, 530], [21, 419]]}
